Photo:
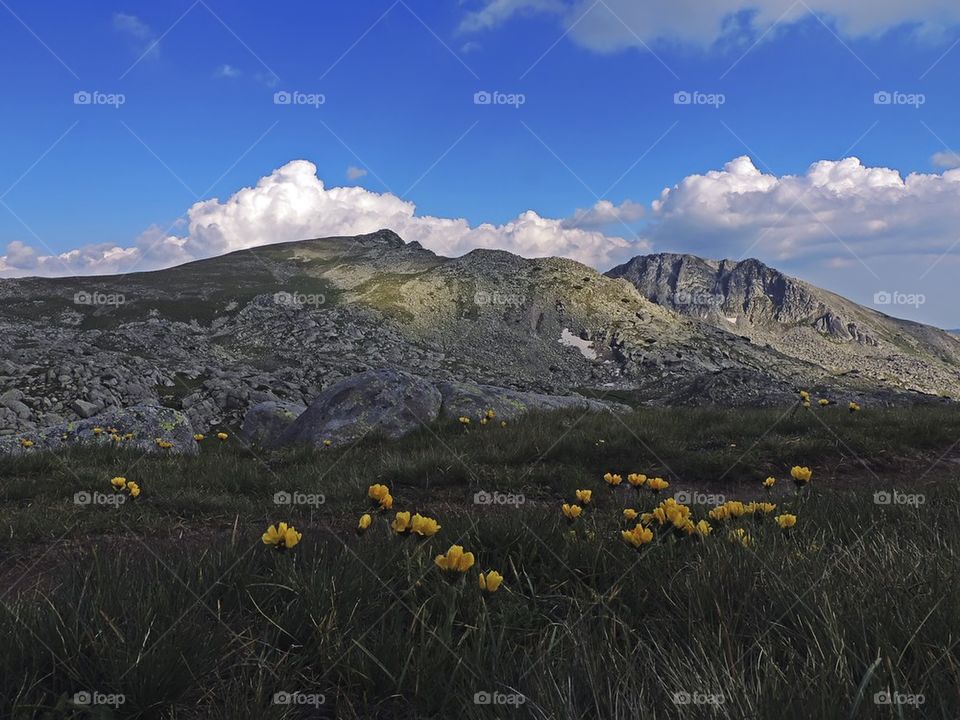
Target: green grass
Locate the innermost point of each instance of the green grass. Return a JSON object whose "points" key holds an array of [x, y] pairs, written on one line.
{"points": [[174, 602]]}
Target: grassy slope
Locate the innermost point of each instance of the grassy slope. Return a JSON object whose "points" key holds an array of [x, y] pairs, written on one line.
{"points": [[810, 623]]}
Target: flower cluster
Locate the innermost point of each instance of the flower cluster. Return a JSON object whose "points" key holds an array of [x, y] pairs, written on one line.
{"points": [[282, 536], [121, 483]]}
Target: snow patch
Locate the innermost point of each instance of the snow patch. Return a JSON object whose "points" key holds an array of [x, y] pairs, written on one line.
{"points": [[584, 346]]}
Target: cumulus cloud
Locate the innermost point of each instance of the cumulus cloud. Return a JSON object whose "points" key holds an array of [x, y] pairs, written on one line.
{"points": [[617, 24], [836, 211], [605, 213], [946, 159], [292, 203], [355, 173]]}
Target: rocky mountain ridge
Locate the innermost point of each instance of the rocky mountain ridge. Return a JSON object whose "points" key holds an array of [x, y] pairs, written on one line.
{"points": [[280, 323], [748, 298]]}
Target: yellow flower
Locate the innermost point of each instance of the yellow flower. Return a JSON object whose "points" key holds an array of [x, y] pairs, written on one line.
{"points": [[386, 502], [424, 526], [572, 512], [786, 521], [630, 514], [764, 507], [657, 484], [801, 475], [636, 479], [26, 443], [327, 443], [97, 430], [377, 492], [134, 489], [484, 421], [703, 528], [612, 479], [198, 437], [490, 414], [456, 560], [638, 536], [128, 436], [281, 537], [163, 444], [805, 396], [806, 403], [823, 402], [119, 483], [364, 523], [401, 523], [585, 496], [741, 536], [503, 423], [491, 581], [464, 421], [221, 436], [854, 406], [769, 482], [115, 437]]}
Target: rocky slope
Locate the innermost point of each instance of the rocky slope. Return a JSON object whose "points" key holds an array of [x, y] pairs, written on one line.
{"points": [[280, 323], [800, 320]]}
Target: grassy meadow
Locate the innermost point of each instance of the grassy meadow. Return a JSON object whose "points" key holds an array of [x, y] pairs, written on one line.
{"points": [[170, 605]]}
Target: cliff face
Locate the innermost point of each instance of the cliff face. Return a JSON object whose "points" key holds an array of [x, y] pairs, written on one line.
{"points": [[798, 319]]}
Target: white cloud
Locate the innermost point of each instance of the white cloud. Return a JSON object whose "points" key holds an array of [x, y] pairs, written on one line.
{"points": [[946, 159], [292, 203], [137, 31], [227, 71], [836, 210], [605, 213], [618, 24], [355, 173]]}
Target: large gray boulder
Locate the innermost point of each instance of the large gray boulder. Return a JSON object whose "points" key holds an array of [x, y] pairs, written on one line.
{"points": [[389, 402], [265, 422], [461, 399], [146, 423]]}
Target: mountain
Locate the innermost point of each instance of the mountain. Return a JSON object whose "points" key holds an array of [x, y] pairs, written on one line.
{"points": [[800, 320], [282, 322]]}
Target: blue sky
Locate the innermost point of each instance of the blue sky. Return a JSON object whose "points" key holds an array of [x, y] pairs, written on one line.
{"points": [[599, 121]]}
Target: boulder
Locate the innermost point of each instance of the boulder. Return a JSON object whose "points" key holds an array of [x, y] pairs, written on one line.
{"points": [[265, 422], [83, 408], [389, 402], [145, 422], [471, 400]]}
